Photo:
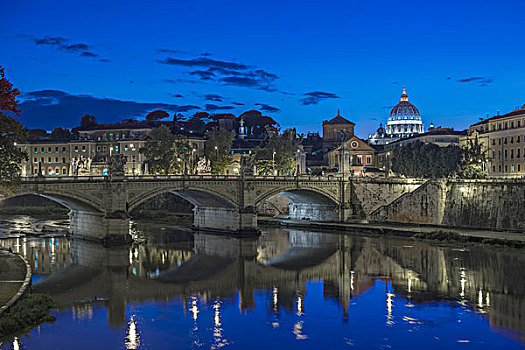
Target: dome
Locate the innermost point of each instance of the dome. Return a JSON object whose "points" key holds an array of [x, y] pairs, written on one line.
{"points": [[404, 110]]}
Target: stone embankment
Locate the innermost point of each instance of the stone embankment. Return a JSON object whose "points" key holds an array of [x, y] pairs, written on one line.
{"points": [[15, 278], [481, 204]]}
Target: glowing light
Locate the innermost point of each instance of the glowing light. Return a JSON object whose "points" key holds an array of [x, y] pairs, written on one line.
{"points": [[389, 307], [409, 283], [480, 298], [16, 345], [299, 306], [462, 281], [275, 298], [487, 299], [352, 278], [194, 309], [298, 331], [133, 338]]}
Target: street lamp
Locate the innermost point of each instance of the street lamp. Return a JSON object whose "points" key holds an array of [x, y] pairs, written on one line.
{"points": [[217, 159], [193, 160], [273, 162], [132, 160]]}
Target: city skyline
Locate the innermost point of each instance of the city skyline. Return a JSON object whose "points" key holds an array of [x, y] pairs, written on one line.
{"points": [[298, 64]]}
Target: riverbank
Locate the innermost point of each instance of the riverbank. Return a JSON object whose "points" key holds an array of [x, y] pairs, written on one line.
{"points": [[15, 278], [407, 230]]}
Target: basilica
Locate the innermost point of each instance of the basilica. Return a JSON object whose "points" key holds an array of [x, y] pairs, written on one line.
{"points": [[404, 121]]}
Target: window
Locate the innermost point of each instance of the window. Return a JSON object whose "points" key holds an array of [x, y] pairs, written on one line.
{"points": [[42, 150], [493, 168], [111, 136], [518, 125], [125, 147], [493, 154], [512, 154], [505, 142], [64, 171], [56, 149], [98, 148], [506, 125], [518, 152], [518, 139], [512, 168], [116, 148], [63, 150], [76, 148], [368, 159], [519, 167], [49, 150], [105, 148], [133, 158], [56, 159], [512, 140], [57, 171], [506, 168], [123, 136], [505, 157], [512, 125], [36, 150], [83, 148], [35, 160], [493, 142], [499, 141], [98, 138], [49, 160]]}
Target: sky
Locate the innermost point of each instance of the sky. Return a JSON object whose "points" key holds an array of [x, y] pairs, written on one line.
{"points": [[297, 61]]}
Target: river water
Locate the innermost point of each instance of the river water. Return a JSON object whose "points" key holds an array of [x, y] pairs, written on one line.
{"points": [[290, 289]]}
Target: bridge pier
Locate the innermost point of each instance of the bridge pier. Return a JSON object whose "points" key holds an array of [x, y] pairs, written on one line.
{"points": [[243, 222], [99, 227]]}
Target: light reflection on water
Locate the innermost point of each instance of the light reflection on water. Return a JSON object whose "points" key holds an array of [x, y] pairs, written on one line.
{"points": [[288, 288]]}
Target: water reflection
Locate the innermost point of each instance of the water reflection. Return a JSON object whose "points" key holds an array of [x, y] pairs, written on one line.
{"points": [[207, 271]]}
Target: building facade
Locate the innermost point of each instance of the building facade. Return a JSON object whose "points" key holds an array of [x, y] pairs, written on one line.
{"points": [[88, 155], [502, 138], [404, 121]]}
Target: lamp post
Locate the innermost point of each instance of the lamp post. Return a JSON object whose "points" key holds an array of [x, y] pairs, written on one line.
{"points": [[273, 162], [132, 160], [217, 159], [193, 160]]}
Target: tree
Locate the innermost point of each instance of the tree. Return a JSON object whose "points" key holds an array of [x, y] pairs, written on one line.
{"points": [[37, 134], [12, 133], [218, 149], [279, 150], [156, 115], [426, 160], [8, 95], [61, 134], [473, 162], [158, 150], [87, 121]]}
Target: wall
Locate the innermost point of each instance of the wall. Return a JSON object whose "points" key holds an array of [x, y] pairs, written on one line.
{"points": [[488, 204]]}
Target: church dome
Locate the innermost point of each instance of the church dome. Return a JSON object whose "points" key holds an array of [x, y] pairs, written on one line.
{"points": [[404, 110]]}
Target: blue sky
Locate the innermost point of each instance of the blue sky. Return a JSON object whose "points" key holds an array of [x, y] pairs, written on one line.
{"points": [[297, 61]]}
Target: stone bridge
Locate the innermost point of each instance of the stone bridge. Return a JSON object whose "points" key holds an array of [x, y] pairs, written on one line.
{"points": [[100, 206]]}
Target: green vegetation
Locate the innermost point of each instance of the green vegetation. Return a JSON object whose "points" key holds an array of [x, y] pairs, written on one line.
{"points": [[165, 152], [40, 212], [28, 312], [427, 160], [442, 236], [279, 152], [218, 149], [453, 237]]}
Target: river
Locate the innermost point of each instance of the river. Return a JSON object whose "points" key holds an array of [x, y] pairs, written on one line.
{"points": [[293, 289]]}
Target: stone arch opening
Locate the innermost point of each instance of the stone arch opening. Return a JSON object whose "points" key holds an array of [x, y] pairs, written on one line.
{"points": [[73, 204], [301, 204], [210, 211]]}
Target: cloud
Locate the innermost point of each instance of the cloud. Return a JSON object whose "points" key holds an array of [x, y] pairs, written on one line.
{"points": [[267, 108], [237, 103], [478, 81], [213, 107], [226, 72], [172, 51], [50, 108], [314, 97], [177, 95], [202, 62], [53, 41], [61, 43], [213, 97]]}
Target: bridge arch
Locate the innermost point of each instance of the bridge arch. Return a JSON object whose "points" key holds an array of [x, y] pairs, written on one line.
{"points": [[74, 202], [197, 197], [307, 203]]}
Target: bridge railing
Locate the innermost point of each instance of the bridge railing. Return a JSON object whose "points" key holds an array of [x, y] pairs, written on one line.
{"points": [[176, 177]]}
